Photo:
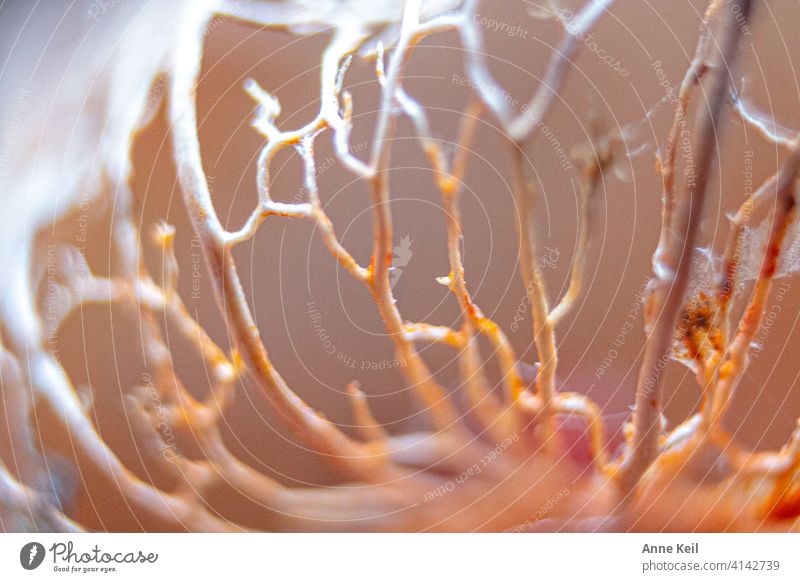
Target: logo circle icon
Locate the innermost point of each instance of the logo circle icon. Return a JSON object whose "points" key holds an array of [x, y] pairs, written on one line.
{"points": [[31, 555]]}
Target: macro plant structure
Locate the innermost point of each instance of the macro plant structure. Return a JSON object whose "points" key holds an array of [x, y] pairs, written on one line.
{"points": [[510, 459]]}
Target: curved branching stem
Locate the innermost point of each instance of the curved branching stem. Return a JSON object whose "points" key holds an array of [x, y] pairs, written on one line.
{"points": [[731, 258], [314, 430], [770, 130], [672, 261], [595, 163], [518, 127], [532, 279], [423, 383], [735, 362]]}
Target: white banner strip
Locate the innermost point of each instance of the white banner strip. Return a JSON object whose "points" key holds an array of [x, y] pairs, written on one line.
{"points": [[404, 558]]}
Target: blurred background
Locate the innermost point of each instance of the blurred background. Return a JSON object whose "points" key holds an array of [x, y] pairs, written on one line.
{"points": [[321, 327]]}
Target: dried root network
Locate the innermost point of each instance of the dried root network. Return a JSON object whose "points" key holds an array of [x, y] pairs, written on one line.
{"points": [[494, 467]]}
